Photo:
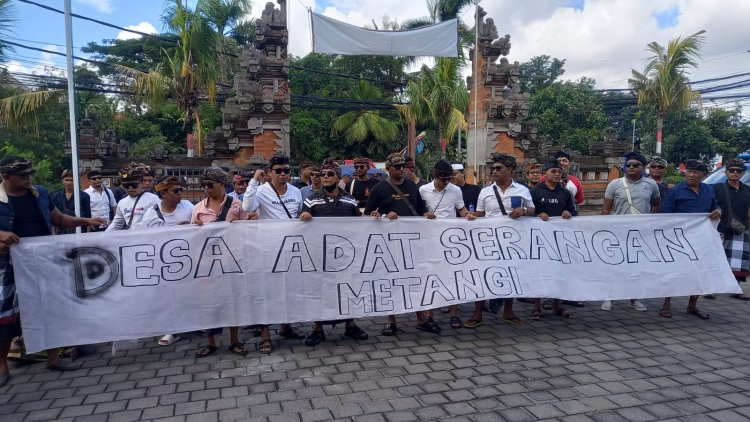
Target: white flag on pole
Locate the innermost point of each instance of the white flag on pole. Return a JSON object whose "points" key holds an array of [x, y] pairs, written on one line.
{"points": [[335, 37]]}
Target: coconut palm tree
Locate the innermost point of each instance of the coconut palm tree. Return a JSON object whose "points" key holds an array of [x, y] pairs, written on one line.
{"points": [[225, 17], [358, 126], [664, 81]]}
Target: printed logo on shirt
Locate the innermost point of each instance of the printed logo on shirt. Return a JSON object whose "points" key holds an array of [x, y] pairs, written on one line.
{"points": [[397, 197], [286, 201]]}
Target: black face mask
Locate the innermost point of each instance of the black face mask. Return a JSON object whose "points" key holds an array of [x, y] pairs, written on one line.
{"points": [[330, 188]]}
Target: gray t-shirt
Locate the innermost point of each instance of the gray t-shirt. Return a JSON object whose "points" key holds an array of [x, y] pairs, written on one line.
{"points": [[642, 192]]}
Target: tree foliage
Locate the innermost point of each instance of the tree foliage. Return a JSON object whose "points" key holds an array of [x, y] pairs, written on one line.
{"points": [[540, 72]]}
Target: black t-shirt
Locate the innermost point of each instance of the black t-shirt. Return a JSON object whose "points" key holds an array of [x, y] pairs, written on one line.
{"points": [[663, 188], [384, 199], [552, 202], [320, 204], [28, 220], [361, 190], [740, 203], [299, 184], [470, 194]]}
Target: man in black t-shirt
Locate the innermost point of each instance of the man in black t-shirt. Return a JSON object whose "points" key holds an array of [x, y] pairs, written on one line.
{"points": [[410, 172], [331, 202], [361, 185], [552, 200], [470, 192], [396, 197]]}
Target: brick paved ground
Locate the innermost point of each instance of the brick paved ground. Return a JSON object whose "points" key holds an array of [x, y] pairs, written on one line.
{"points": [[622, 365]]}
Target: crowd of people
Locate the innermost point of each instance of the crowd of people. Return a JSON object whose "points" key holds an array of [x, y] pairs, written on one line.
{"points": [[546, 190]]}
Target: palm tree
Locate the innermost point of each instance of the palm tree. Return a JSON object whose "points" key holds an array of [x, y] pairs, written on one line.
{"points": [[7, 19], [225, 16], [358, 126], [189, 73], [439, 97], [664, 81]]}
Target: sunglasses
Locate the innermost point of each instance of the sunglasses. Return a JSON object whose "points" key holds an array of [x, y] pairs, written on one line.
{"points": [[130, 185], [633, 165], [95, 178], [315, 174], [444, 176], [208, 185], [498, 168], [398, 166], [360, 166], [657, 167], [736, 170], [177, 191], [329, 174], [285, 170]]}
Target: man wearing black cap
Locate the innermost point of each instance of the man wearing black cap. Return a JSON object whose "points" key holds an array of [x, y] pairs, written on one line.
{"points": [[361, 185], [657, 167], [26, 210], [399, 196], [103, 202], [631, 194], [734, 199], [691, 196], [330, 201], [552, 200], [131, 209]]}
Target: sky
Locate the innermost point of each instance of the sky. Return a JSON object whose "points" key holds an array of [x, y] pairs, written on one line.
{"points": [[601, 39]]}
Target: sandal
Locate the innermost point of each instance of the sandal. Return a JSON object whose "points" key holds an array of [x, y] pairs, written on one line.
{"points": [[700, 314], [562, 312], [429, 326], [204, 351], [456, 322], [547, 305], [168, 339], [264, 347], [665, 313], [536, 314], [238, 349], [389, 329], [473, 323], [740, 297], [292, 334], [514, 320]]}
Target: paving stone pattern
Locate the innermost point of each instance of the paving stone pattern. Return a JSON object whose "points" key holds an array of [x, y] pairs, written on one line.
{"points": [[621, 365]]}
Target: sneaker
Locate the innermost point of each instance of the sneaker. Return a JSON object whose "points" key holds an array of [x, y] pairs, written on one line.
{"points": [[64, 365], [607, 305], [637, 305], [355, 333], [314, 338]]}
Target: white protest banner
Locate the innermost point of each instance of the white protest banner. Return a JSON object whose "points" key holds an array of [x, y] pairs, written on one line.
{"points": [[335, 37], [90, 288]]}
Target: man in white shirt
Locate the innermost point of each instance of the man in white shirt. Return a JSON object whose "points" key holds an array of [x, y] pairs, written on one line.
{"points": [[274, 200], [504, 197], [132, 208], [172, 210], [102, 199], [445, 200]]}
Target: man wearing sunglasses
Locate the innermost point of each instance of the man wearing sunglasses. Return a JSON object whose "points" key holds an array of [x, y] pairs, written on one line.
{"points": [[734, 199], [330, 201], [657, 168], [634, 193], [691, 196], [410, 172], [361, 185], [102, 200], [132, 208], [275, 200], [26, 210], [399, 196]]}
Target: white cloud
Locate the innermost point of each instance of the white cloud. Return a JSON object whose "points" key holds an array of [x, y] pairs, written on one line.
{"points": [[141, 27], [104, 6]]}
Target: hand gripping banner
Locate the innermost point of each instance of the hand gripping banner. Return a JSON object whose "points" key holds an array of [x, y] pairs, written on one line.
{"points": [[90, 288]]}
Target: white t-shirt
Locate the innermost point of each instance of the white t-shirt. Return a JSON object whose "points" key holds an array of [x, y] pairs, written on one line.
{"points": [[183, 212], [125, 209], [488, 202], [263, 199], [444, 203], [101, 202]]}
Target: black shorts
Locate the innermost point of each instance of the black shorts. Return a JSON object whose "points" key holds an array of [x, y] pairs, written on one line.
{"points": [[10, 331]]}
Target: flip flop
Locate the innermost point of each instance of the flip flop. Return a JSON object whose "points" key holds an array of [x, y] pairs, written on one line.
{"points": [[547, 305], [238, 349], [665, 313], [429, 327], [740, 297], [168, 339], [390, 329], [514, 320], [264, 347], [536, 314], [204, 351], [456, 322], [562, 312], [700, 314], [472, 323]]}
